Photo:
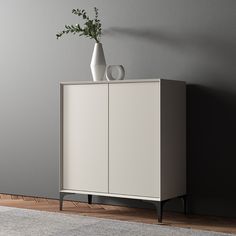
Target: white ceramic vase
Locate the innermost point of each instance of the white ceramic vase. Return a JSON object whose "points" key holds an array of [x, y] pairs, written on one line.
{"points": [[98, 63]]}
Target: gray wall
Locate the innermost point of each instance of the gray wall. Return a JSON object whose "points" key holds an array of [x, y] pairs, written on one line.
{"points": [[192, 40]]}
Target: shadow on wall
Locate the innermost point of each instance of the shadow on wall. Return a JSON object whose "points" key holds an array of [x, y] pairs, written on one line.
{"points": [[211, 150], [219, 49]]}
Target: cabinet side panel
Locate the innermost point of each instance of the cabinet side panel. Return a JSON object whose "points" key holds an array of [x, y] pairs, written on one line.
{"points": [[173, 139], [61, 140], [85, 137], [134, 139]]}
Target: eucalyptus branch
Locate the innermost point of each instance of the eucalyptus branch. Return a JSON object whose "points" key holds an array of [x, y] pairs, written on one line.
{"points": [[92, 27]]}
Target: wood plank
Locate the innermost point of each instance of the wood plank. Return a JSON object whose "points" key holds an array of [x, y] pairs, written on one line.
{"points": [[5, 196], [28, 198], [14, 197]]}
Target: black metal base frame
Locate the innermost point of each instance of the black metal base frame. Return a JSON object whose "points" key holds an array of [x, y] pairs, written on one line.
{"points": [[62, 195], [90, 199], [159, 204]]}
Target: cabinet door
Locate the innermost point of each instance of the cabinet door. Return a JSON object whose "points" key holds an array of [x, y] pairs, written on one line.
{"points": [[134, 130], [85, 137]]}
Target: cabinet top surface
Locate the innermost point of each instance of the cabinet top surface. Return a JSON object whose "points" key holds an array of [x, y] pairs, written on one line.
{"points": [[118, 81], [110, 82]]}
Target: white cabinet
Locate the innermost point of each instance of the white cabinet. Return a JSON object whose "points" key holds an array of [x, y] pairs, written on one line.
{"points": [[124, 139]]}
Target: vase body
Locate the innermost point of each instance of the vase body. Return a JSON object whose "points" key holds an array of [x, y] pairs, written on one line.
{"points": [[98, 63]]}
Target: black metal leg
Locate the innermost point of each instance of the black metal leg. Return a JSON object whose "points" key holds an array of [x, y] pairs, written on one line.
{"points": [[61, 200], [160, 204], [159, 207], [89, 199], [184, 200], [62, 195]]}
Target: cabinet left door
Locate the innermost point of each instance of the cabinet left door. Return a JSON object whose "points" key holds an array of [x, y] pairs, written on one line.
{"points": [[85, 137]]}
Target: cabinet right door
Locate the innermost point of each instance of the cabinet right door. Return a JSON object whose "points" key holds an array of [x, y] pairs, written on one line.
{"points": [[134, 139]]}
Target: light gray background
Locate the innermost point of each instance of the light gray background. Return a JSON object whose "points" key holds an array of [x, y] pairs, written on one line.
{"points": [[191, 40]]}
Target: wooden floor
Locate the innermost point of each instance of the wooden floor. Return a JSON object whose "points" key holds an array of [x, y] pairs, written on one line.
{"points": [[218, 224]]}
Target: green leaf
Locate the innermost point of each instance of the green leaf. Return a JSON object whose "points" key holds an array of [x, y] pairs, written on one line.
{"points": [[92, 28]]}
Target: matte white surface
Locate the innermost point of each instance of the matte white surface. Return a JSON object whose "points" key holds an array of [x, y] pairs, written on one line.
{"points": [[111, 195], [111, 81], [85, 137], [134, 164]]}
